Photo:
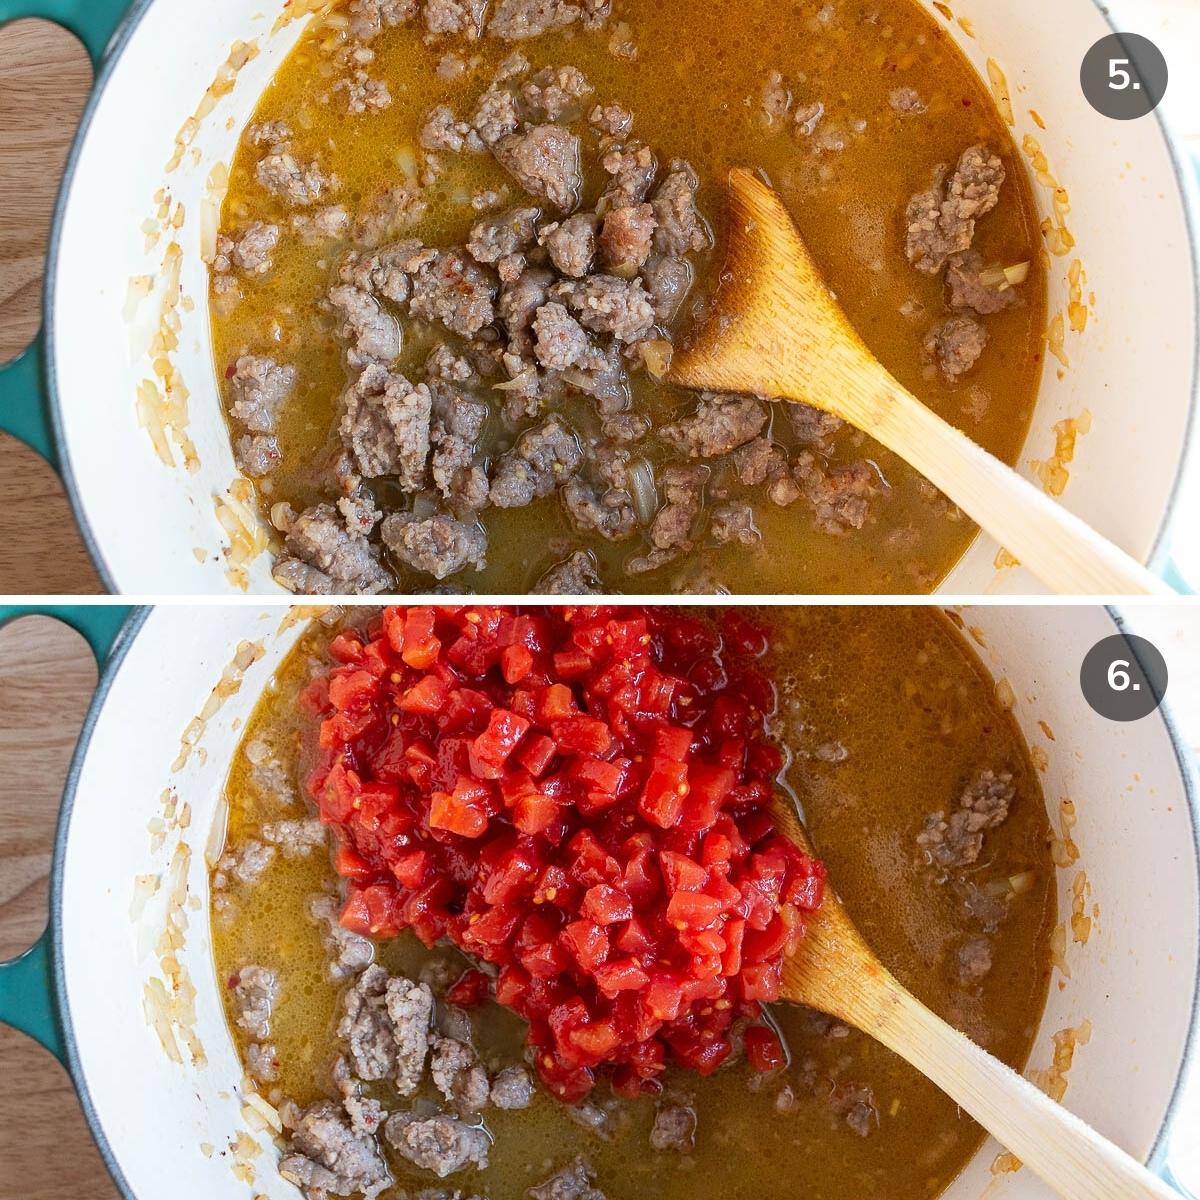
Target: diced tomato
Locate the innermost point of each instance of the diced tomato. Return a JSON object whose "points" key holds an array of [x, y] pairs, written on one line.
{"points": [[515, 663], [470, 989], [764, 1049], [427, 696], [662, 799]]}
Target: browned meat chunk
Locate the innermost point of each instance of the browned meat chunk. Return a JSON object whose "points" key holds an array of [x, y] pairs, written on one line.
{"points": [[456, 1073], [572, 244], [326, 224], [443, 131], [955, 345], [374, 334], [668, 281], [245, 864], [606, 304], [671, 529], [260, 387], [458, 423], [958, 841], [762, 462], [254, 994], [561, 341], [495, 116], [941, 221], [348, 954], [812, 426], [906, 100], [439, 1144], [385, 425], [295, 838], [571, 1183], [455, 16], [576, 576], [734, 522], [674, 1129], [554, 94], [439, 545], [386, 272], [633, 170], [368, 18], [626, 238], [840, 498], [294, 183], [968, 291], [680, 227], [512, 1088], [319, 539], [517, 304], [501, 241], [517, 20], [720, 424], [250, 252], [257, 455], [544, 160], [602, 503], [611, 119], [974, 960], [855, 1104], [328, 1157], [542, 459], [262, 1062], [454, 290], [393, 210]]}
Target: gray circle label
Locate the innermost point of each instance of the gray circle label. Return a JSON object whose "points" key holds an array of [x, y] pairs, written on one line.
{"points": [[1124, 76], [1123, 677]]}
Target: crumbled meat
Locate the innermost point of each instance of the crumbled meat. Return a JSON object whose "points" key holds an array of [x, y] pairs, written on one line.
{"points": [[374, 334], [576, 576], [365, 1026], [363, 93], [328, 1157], [325, 224], [455, 16], [495, 116], [392, 211], [518, 302], [512, 1088], [561, 341], [733, 521], [370, 17], [295, 839], [359, 513], [384, 424], [554, 93], [606, 304], [776, 99], [611, 119], [958, 841], [544, 160], [626, 238], [262, 1061], [297, 185], [347, 952], [456, 1073], [439, 545], [387, 270], [268, 133], [319, 539], [572, 244], [410, 1007], [855, 1103], [633, 169], [443, 364], [440, 1144], [811, 425], [671, 529], [668, 281], [840, 498], [502, 241], [250, 252], [602, 503], [941, 221], [571, 1183], [974, 960], [542, 459], [680, 227], [254, 994], [452, 289], [906, 100], [301, 578], [245, 864], [457, 425], [443, 131], [968, 291], [955, 345], [257, 455], [674, 1129], [260, 386], [720, 424], [762, 462], [517, 20]]}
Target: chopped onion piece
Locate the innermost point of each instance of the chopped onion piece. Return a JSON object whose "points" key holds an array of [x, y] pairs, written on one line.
{"points": [[641, 487], [1022, 882], [656, 354]]}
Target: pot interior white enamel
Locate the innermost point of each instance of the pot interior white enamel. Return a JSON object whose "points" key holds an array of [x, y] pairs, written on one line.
{"points": [[1128, 215], [1134, 979]]}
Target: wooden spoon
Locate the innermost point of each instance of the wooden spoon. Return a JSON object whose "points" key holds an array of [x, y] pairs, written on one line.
{"points": [[778, 331], [835, 972]]}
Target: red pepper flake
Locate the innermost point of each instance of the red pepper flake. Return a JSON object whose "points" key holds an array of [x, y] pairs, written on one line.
{"points": [[578, 797]]}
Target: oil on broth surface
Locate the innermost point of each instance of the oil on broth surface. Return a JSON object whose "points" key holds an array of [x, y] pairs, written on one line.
{"points": [[886, 713], [695, 91]]}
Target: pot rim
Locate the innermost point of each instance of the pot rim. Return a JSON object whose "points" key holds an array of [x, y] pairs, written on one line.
{"points": [[1187, 186], [112, 665]]}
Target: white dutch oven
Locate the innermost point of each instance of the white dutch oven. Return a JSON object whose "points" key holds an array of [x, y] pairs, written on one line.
{"points": [[82, 988], [152, 527]]}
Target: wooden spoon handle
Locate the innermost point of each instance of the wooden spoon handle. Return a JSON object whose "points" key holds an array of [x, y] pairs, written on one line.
{"points": [[1075, 1160], [1064, 552]]}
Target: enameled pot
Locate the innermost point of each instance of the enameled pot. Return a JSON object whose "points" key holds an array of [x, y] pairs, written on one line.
{"points": [[176, 83], [139, 815]]}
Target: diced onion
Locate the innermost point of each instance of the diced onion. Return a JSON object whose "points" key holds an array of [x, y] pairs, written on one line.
{"points": [[641, 488]]}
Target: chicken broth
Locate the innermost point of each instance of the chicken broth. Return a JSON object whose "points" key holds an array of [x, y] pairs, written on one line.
{"points": [[891, 727], [849, 108]]}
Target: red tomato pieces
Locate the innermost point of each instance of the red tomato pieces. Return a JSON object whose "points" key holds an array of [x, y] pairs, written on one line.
{"points": [[577, 796]]}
